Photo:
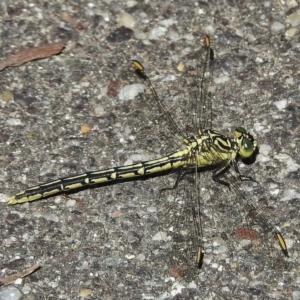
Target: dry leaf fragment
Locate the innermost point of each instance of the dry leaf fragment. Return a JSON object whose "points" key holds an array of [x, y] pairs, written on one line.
{"points": [[26, 55], [9, 279]]}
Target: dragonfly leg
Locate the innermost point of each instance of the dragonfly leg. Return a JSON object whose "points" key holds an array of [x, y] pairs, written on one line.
{"points": [[221, 170], [180, 176], [242, 177]]}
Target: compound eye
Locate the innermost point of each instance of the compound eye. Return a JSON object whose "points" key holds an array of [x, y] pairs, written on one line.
{"points": [[247, 148], [239, 131]]}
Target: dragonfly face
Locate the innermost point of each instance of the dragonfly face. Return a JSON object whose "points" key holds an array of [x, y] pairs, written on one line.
{"points": [[247, 143]]}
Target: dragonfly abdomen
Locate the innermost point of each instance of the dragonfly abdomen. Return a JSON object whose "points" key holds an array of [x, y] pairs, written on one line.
{"points": [[51, 188]]}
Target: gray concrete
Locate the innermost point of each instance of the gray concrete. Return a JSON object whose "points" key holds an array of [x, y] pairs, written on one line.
{"points": [[102, 239]]}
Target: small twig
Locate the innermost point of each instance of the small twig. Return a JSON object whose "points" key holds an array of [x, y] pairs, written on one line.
{"points": [[26, 55], [9, 279]]}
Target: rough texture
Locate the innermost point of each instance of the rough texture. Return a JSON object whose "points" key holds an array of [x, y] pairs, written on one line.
{"points": [[99, 243]]}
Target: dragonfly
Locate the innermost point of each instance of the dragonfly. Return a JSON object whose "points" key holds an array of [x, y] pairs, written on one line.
{"points": [[203, 148]]}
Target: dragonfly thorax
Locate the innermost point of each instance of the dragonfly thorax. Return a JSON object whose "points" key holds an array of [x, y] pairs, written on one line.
{"points": [[211, 147]]}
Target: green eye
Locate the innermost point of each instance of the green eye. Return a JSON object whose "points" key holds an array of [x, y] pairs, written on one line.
{"points": [[247, 148], [241, 130]]}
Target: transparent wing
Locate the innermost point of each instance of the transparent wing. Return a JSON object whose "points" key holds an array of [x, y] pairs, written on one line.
{"points": [[248, 227], [202, 215], [200, 88], [159, 102], [179, 214], [254, 231]]}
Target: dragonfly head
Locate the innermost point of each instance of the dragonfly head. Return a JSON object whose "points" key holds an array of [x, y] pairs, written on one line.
{"points": [[247, 143]]}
